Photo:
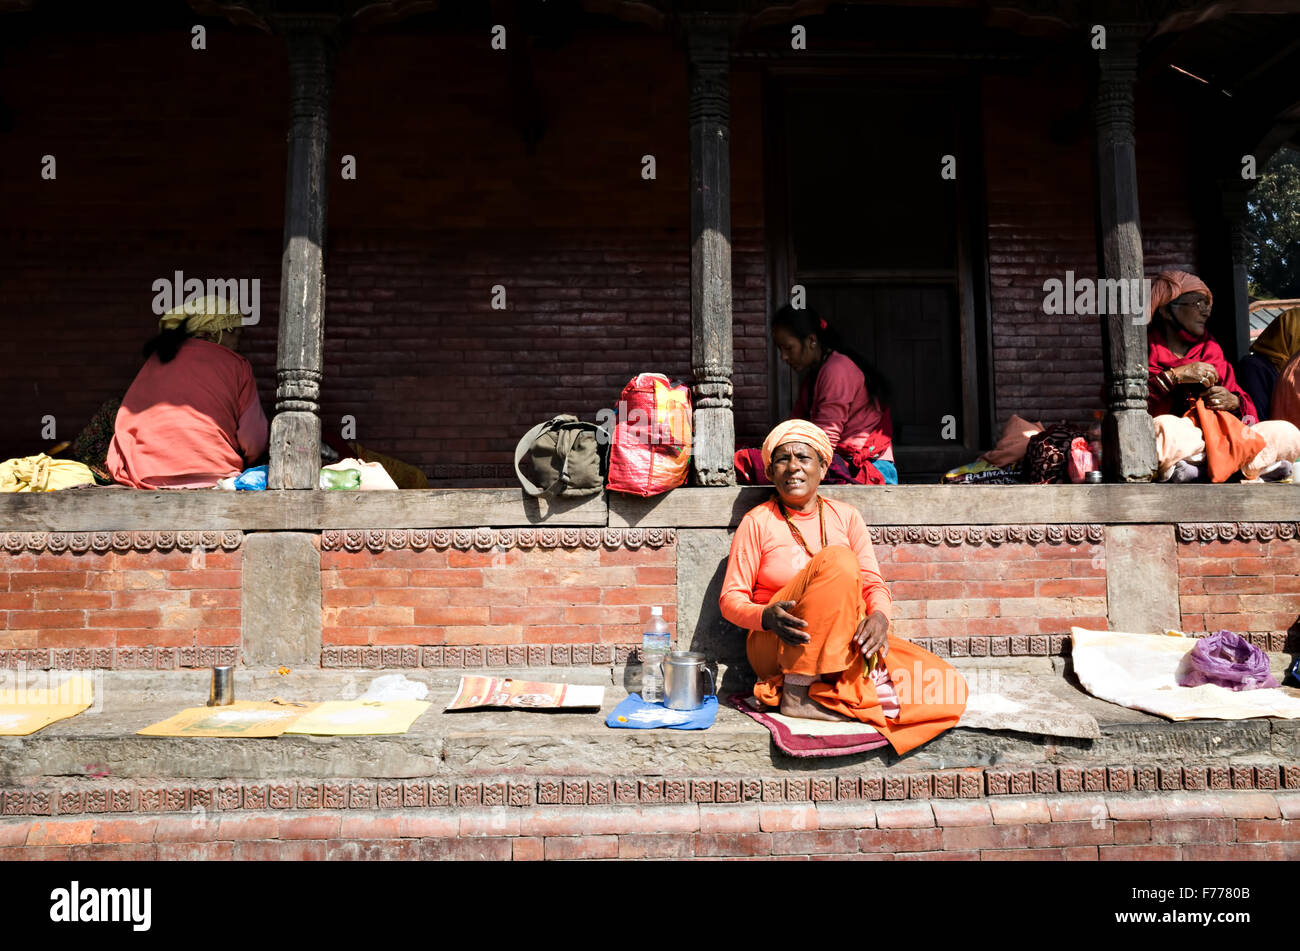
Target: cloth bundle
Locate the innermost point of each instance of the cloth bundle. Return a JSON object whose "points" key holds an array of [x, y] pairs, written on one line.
{"points": [[1047, 457], [373, 475], [40, 473], [1282, 444], [1226, 660], [1181, 439], [1012, 443]]}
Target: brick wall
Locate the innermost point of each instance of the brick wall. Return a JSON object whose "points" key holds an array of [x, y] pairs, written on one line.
{"points": [[984, 596], [1039, 161], [447, 203], [174, 604], [516, 596], [1204, 826], [1251, 588]]}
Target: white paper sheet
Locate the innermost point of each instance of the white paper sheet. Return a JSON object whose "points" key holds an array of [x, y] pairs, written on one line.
{"points": [[1140, 671]]}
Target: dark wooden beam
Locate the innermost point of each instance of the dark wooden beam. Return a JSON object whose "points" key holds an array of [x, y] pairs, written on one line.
{"points": [[1128, 435], [527, 111], [1234, 300], [708, 44], [296, 428]]}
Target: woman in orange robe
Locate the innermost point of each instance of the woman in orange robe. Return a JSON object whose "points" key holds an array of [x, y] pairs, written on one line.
{"points": [[803, 580]]}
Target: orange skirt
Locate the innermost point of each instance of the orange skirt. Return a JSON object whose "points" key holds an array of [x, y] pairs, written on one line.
{"points": [[828, 595]]}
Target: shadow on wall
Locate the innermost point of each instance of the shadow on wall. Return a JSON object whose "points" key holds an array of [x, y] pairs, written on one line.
{"points": [[701, 565]]}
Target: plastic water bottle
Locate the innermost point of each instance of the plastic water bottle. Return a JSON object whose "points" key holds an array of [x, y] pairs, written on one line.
{"points": [[654, 647]]}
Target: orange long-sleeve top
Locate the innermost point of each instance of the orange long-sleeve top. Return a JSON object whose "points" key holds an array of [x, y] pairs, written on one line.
{"points": [[765, 556]]}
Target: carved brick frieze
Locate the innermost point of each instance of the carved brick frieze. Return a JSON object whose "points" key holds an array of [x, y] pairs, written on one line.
{"points": [[496, 792], [1205, 532], [494, 539], [103, 542], [121, 658], [935, 535], [537, 655]]}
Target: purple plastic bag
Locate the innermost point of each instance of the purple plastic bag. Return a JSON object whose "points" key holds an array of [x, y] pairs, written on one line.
{"points": [[1226, 660]]}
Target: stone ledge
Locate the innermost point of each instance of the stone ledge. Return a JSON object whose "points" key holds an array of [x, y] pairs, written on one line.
{"points": [[108, 510], [941, 505], [114, 510], [1135, 751]]}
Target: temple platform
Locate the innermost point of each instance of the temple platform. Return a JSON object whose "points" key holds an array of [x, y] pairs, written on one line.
{"points": [[470, 745], [503, 785], [148, 590]]}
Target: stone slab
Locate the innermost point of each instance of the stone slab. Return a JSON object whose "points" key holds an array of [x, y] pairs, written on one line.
{"points": [[980, 505], [495, 742], [701, 564], [281, 598], [1142, 578], [90, 510]]}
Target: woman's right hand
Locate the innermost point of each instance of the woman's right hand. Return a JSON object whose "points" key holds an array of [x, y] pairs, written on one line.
{"points": [[1200, 374], [778, 619]]}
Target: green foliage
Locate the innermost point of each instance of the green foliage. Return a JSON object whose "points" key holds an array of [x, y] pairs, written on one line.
{"points": [[1274, 213]]}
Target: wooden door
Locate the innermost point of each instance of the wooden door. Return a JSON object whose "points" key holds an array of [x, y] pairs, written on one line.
{"points": [[882, 242]]}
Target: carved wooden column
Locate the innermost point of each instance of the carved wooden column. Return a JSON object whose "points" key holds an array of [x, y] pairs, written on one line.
{"points": [[708, 42], [1128, 436], [296, 428]]}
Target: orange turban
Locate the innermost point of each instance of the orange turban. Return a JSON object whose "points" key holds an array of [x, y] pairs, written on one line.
{"points": [[1170, 285], [797, 430]]}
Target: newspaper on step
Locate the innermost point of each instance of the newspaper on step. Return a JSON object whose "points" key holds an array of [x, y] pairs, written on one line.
{"points": [[477, 692]]}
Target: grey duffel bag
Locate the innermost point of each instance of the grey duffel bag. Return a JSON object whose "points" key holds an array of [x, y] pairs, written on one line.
{"points": [[568, 458]]}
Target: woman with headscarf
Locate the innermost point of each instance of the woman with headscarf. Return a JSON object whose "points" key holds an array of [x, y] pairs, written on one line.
{"points": [[842, 393], [1258, 370], [803, 580], [1188, 375], [192, 416], [1184, 362]]}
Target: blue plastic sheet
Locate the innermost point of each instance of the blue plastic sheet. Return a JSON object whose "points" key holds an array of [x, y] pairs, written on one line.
{"points": [[635, 714]]}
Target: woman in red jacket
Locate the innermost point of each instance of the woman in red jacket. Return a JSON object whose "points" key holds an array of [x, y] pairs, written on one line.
{"points": [[841, 393]]}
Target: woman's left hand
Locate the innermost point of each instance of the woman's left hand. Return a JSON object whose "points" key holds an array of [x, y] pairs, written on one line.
{"points": [[1218, 397], [873, 635]]}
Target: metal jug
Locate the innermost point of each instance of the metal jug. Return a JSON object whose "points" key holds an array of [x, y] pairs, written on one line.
{"points": [[682, 671]]}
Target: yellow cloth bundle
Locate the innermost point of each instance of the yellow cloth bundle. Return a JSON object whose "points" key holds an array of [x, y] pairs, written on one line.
{"points": [[40, 473]]}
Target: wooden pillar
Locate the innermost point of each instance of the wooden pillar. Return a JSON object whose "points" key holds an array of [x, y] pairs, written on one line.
{"points": [[1128, 436], [708, 43], [296, 428], [1232, 303]]}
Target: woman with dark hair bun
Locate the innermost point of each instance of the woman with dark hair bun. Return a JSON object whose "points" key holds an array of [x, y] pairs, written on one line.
{"points": [[842, 393]]}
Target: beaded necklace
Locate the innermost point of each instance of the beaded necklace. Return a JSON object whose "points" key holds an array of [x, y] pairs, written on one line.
{"points": [[794, 529], [869, 663]]}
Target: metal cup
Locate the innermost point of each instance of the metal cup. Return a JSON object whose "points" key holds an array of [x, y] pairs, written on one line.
{"points": [[682, 670], [1092, 477], [222, 693]]}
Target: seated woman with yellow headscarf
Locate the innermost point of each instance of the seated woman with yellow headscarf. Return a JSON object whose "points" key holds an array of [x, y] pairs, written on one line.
{"points": [[1259, 369], [803, 580], [192, 416]]}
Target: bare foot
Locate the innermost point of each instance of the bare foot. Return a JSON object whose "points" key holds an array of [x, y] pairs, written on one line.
{"points": [[795, 702]]}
